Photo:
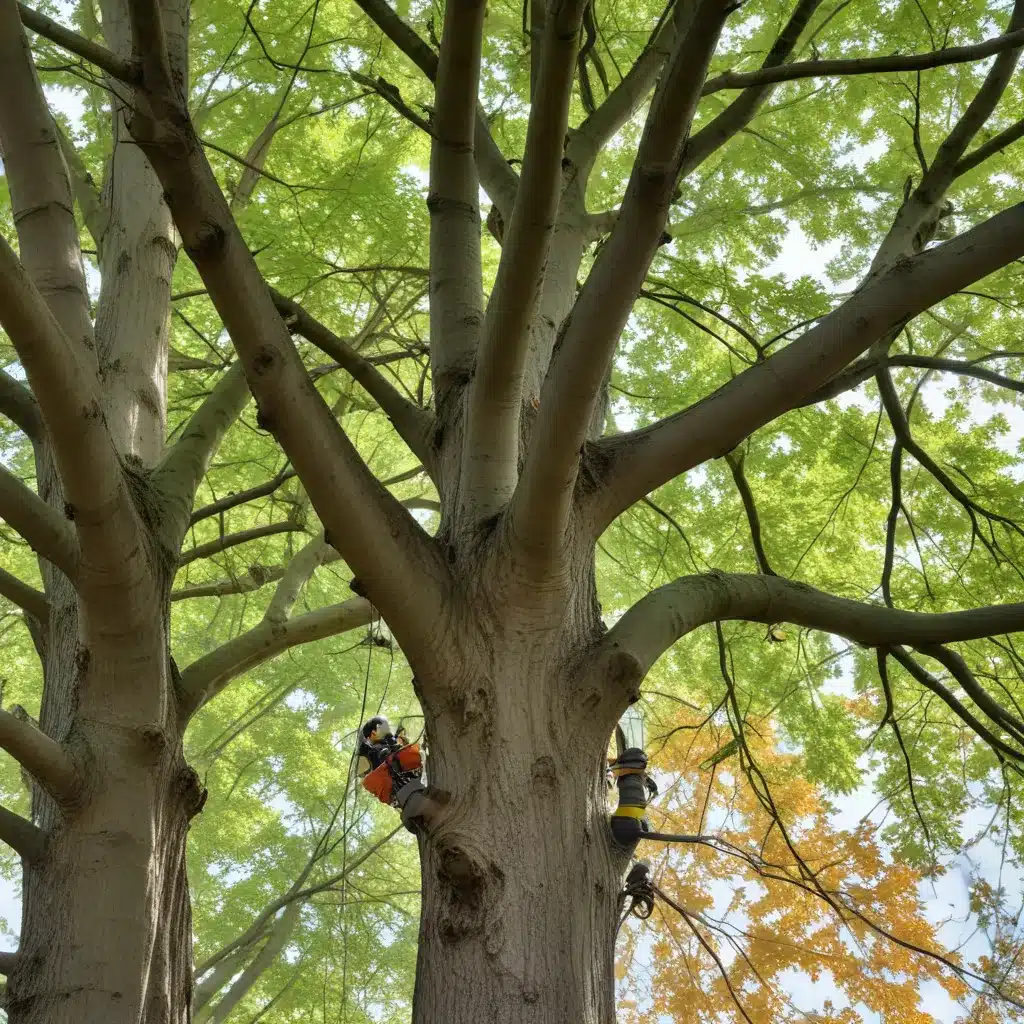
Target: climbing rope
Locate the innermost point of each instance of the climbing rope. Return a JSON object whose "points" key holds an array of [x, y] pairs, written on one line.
{"points": [[638, 892]]}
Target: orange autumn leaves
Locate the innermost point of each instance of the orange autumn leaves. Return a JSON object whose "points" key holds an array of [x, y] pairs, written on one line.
{"points": [[749, 920]]}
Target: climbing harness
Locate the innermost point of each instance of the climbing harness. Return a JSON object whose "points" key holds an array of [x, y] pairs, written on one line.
{"points": [[639, 890], [636, 787], [628, 820], [391, 768]]}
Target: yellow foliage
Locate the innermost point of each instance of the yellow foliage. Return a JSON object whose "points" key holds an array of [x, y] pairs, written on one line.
{"points": [[808, 898]]}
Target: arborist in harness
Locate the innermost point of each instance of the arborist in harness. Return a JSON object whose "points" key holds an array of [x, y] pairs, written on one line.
{"points": [[391, 768], [636, 787], [376, 742]]}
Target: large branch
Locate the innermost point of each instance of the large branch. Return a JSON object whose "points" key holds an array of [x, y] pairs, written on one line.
{"points": [[316, 552], [456, 288], [280, 934], [18, 405], [401, 34], [65, 390], [87, 195], [741, 111], [640, 461], [48, 533], [22, 836], [974, 118], [41, 194], [181, 470], [491, 450], [413, 424], [226, 968], [124, 70], [865, 65], [719, 129], [25, 597], [398, 564], [207, 676], [496, 175], [43, 758], [918, 216], [586, 141], [540, 507], [665, 615], [994, 145]]}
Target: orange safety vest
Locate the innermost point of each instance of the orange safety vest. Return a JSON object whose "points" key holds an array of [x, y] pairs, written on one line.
{"points": [[380, 783]]}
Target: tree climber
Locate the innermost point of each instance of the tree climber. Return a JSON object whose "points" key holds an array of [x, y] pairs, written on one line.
{"points": [[391, 768], [376, 742], [629, 770]]}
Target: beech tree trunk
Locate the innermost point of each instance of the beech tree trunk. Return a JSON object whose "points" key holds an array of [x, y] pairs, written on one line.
{"points": [[519, 902], [106, 926], [520, 886], [519, 681], [520, 874], [106, 930]]}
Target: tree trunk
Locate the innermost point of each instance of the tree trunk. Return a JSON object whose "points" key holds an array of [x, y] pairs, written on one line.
{"points": [[106, 923], [520, 875], [519, 911], [106, 929], [520, 878]]}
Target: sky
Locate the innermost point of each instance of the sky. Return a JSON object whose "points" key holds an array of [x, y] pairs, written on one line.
{"points": [[946, 898]]}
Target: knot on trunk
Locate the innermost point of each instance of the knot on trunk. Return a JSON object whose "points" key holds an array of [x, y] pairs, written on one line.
{"points": [[609, 680], [625, 672], [496, 225], [471, 888], [190, 790], [544, 775], [154, 742], [475, 705]]}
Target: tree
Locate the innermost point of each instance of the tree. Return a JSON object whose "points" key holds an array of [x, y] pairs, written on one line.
{"points": [[519, 678], [787, 872]]}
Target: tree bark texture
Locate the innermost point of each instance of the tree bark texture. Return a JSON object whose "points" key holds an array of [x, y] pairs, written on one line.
{"points": [[520, 898], [520, 875], [106, 924], [498, 615]]}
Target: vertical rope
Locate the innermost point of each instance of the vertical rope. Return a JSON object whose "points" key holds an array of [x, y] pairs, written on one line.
{"points": [[344, 831]]}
